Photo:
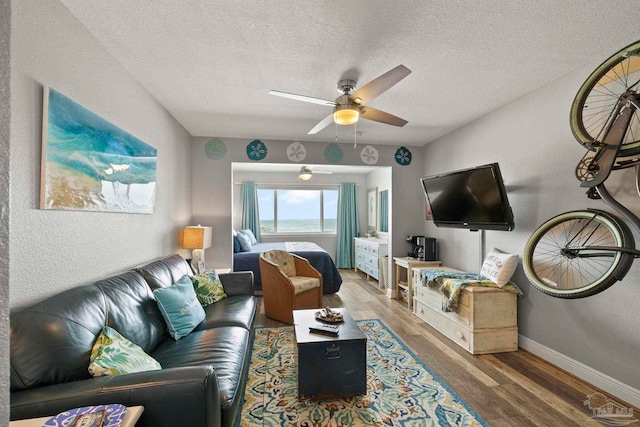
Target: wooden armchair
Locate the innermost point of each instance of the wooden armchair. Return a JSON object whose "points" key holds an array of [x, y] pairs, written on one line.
{"points": [[289, 282]]}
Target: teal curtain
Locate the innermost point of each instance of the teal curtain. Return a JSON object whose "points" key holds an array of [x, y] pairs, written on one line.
{"points": [[384, 211], [250, 214], [348, 226]]}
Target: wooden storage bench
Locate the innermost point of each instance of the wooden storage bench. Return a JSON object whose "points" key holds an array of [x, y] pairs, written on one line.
{"points": [[485, 320]]}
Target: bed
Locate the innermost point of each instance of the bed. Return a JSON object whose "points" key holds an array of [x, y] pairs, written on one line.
{"points": [[318, 257]]}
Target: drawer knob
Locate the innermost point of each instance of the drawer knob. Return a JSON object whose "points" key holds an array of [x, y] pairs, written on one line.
{"points": [[459, 335]]}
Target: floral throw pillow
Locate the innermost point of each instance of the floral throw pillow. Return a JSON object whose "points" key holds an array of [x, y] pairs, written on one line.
{"points": [[208, 287], [113, 354]]}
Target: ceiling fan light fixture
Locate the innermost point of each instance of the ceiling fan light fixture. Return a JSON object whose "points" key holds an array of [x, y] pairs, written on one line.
{"points": [[305, 173], [346, 114]]}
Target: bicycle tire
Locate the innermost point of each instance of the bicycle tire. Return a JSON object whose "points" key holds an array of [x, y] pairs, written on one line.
{"points": [[597, 97], [577, 277]]}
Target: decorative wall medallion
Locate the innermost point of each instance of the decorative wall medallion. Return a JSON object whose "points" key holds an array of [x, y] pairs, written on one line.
{"points": [[403, 156], [256, 150], [296, 152], [333, 154], [369, 155], [215, 149]]}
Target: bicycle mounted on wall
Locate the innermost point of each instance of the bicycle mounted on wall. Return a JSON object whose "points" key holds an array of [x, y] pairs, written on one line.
{"points": [[581, 253]]}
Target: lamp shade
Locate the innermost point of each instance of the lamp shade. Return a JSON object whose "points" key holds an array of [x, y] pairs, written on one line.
{"points": [[346, 114], [305, 173], [196, 237]]}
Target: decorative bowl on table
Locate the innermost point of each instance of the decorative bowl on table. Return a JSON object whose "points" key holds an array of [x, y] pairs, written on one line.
{"points": [[329, 316]]}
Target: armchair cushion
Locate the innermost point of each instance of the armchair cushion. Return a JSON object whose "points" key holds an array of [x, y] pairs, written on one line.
{"points": [[282, 259], [303, 284]]}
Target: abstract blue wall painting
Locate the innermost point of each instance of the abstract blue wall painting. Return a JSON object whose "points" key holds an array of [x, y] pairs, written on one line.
{"points": [[90, 164]]}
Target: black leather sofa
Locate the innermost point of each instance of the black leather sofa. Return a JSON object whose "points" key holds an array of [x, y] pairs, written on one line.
{"points": [[201, 382]]}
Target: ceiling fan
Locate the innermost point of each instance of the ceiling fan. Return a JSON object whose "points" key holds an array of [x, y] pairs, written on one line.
{"points": [[306, 172], [350, 106]]}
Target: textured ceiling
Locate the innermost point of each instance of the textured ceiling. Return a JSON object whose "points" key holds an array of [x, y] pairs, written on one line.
{"points": [[211, 63]]}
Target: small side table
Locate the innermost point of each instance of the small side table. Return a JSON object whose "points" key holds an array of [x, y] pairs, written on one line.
{"points": [[404, 275]]}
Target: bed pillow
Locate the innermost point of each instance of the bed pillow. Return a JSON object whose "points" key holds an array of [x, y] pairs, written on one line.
{"points": [[236, 245], [180, 307], [208, 287], [245, 241], [252, 236], [113, 354], [499, 266]]}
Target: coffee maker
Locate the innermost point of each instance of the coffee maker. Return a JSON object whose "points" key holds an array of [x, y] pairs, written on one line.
{"points": [[422, 248]]}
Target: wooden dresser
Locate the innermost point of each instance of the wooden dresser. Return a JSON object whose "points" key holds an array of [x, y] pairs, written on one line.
{"points": [[368, 255], [485, 320]]}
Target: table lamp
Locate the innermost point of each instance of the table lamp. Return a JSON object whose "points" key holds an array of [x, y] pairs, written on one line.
{"points": [[197, 238]]}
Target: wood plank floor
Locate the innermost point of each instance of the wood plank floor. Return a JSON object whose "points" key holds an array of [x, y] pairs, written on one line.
{"points": [[515, 389]]}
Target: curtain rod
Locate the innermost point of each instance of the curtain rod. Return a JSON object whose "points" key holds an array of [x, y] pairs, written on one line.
{"points": [[282, 184]]}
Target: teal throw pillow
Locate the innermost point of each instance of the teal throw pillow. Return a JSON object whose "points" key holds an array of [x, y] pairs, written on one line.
{"points": [[251, 236], [180, 307], [208, 287], [113, 354], [245, 241]]}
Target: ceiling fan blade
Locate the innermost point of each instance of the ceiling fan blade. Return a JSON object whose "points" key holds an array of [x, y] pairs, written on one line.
{"points": [[323, 124], [379, 85], [303, 98], [382, 117]]}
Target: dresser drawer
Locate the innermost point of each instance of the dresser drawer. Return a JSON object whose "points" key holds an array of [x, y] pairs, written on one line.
{"points": [[444, 324], [372, 271], [371, 260], [433, 298]]}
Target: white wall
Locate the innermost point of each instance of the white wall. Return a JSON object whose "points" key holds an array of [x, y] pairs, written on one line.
{"points": [[212, 189], [532, 141], [54, 250], [5, 28]]}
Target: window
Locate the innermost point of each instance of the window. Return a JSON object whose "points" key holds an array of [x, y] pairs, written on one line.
{"points": [[296, 210]]}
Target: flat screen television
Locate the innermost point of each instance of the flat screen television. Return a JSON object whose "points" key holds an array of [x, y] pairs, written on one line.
{"points": [[473, 198]]}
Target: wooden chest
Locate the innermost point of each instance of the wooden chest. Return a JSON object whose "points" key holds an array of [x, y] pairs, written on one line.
{"points": [[330, 367], [484, 322]]}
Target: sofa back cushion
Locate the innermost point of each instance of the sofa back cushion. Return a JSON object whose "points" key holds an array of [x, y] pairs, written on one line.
{"points": [[51, 341], [132, 310], [165, 271]]}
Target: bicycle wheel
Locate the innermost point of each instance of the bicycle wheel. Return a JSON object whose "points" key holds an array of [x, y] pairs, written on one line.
{"points": [[596, 100], [554, 264]]}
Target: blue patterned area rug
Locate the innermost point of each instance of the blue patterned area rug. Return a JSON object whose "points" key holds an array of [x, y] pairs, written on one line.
{"points": [[401, 390]]}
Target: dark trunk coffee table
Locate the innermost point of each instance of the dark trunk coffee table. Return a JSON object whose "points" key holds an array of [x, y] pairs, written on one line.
{"points": [[330, 367]]}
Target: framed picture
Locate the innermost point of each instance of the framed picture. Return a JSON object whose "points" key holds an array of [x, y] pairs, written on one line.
{"points": [[90, 164], [372, 208]]}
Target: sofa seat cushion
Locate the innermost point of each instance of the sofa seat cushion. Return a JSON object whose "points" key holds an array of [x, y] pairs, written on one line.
{"points": [[224, 348], [237, 310]]}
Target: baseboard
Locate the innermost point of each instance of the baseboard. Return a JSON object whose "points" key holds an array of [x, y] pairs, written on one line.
{"points": [[611, 385]]}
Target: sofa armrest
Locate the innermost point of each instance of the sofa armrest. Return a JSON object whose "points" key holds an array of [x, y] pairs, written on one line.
{"points": [[171, 397], [237, 283]]}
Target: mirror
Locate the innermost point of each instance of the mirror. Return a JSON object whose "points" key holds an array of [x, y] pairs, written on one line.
{"points": [[372, 208], [384, 211]]}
